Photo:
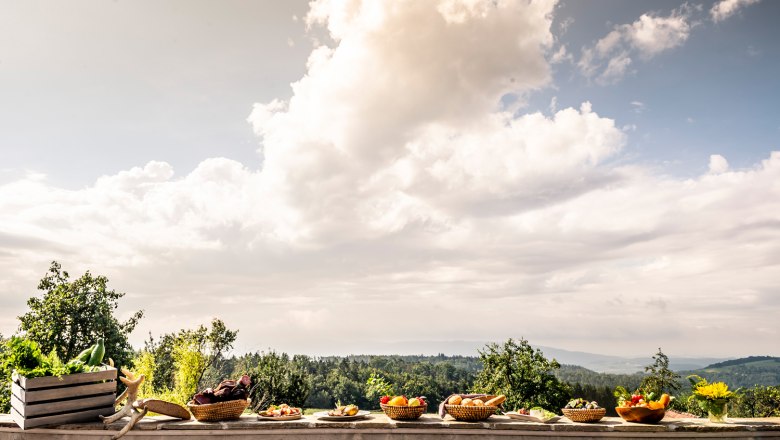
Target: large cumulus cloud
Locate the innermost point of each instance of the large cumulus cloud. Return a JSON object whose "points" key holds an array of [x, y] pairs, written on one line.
{"points": [[397, 191]]}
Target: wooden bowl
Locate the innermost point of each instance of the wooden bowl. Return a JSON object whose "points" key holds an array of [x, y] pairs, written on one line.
{"points": [[639, 414]]}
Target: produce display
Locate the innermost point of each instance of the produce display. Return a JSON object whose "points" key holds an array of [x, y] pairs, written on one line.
{"points": [[226, 391], [403, 401], [580, 410], [581, 404], [640, 407], [467, 401], [542, 414], [25, 357], [281, 411], [640, 399], [401, 408]]}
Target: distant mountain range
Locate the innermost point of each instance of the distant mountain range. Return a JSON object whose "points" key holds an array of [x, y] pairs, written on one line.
{"points": [[623, 365], [596, 362], [602, 370]]}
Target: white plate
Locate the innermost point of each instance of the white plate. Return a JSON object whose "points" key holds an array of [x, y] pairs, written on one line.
{"points": [[527, 418], [260, 416], [323, 415]]}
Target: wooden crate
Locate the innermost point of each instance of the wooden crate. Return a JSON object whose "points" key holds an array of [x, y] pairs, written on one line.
{"points": [[43, 401]]}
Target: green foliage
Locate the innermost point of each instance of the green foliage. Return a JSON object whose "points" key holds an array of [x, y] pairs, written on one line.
{"points": [[759, 401], [24, 356], [278, 379], [145, 364], [190, 364], [71, 315], [377, 386], [660, 378], [5, 379], [523, 374], [202, 349], [178, 366]]}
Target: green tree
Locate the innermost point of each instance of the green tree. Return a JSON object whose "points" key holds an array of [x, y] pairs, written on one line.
{"points": [[277, 379], [759, 401], [377, 386], [71, 315], [203, 349], [660, 378], [523, 374], [181, 364]]}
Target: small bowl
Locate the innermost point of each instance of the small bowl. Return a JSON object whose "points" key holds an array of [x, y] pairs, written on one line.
{"points": [[640, 414]]}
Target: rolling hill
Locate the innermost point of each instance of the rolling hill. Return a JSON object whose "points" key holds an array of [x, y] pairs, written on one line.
{"points": [[744, 372]]}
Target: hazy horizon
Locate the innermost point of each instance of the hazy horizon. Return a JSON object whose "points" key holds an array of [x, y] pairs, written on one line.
{"points": [[331, 176]]}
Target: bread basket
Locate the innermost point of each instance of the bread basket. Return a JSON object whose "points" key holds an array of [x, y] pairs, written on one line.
{"points": [[470, 413]]}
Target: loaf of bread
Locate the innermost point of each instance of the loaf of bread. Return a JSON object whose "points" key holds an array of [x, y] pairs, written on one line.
{"points": [[455, 400], [478, 402], [467, 402], [498, 400]]}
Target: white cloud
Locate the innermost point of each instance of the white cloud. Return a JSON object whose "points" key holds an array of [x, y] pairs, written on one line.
{"points": [[718, 164], [561, 55], [726, 8], [393, 188], [651, 35], [609, 58]]}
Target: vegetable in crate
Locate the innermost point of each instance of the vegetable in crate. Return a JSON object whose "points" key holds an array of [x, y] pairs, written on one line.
{"points": [[96, 357], [25, 357], [226, 391]]}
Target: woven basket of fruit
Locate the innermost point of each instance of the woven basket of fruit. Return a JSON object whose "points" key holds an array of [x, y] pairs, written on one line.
{"points": [[580, 410], [404, 412], [584, 415], [213, 412], [470, 413]]}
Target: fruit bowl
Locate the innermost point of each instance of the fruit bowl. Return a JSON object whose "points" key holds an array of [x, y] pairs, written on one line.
{"points": [[470, 413], [583, 415], [404, 412], [640, 414]]}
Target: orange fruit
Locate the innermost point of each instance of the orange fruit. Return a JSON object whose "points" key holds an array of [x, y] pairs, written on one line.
{"points": [[655, 405], [397, 401]]}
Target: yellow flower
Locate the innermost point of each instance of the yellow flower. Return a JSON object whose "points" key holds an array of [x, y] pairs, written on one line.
{"points": [[713, 391]]}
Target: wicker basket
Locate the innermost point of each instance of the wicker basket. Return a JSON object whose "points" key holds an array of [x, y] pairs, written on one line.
{"points": [[403, 412], [584, 415], [470, 413], [213, 412]]}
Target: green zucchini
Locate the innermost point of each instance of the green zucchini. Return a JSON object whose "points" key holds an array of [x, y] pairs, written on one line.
{"points": [[97, 354]]}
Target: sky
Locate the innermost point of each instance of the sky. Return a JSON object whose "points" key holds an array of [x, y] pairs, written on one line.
{"points": [[342, 177]]}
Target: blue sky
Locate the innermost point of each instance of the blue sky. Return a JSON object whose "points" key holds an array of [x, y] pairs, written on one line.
{"points": [[304, 164], [714, 94]]}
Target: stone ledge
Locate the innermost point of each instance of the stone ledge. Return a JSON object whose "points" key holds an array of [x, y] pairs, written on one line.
{"points": [[378, 426]]}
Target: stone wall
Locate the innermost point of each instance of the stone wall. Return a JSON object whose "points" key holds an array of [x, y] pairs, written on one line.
{"points": [[377, 426]]}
